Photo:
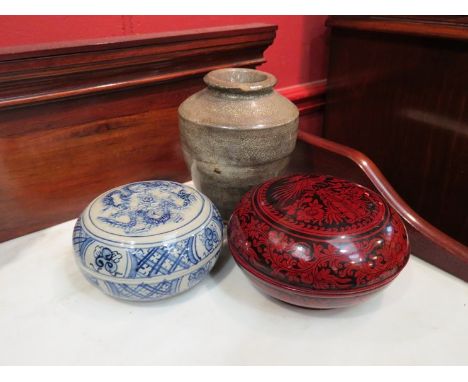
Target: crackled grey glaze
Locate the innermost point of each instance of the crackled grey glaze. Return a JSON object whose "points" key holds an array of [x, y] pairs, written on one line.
{"points": [[236, 133]]}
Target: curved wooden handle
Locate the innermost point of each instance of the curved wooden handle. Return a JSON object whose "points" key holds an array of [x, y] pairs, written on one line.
{"points": [[427, 241]]}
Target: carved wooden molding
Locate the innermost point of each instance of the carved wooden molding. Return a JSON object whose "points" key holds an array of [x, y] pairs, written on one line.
{"points": [[449, 27], [309, 97], [55, 71]]}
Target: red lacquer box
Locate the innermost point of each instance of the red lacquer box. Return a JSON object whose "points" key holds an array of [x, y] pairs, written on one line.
{"points": [[317, 241]]}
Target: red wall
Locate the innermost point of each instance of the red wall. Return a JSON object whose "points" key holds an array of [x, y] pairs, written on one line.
{"points": [[298, 54]]}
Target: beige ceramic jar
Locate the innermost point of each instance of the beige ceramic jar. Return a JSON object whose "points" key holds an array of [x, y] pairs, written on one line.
{"points": [[236, 133]]}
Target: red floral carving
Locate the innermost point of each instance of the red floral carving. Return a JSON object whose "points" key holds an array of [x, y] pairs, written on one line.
{"points": [[318, 232]]}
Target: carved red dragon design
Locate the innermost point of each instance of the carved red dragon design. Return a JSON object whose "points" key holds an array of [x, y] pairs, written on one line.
{"points": [[318, 232]]}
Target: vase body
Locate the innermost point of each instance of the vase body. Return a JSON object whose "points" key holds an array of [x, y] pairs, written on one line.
{"points": [[236, 133]]}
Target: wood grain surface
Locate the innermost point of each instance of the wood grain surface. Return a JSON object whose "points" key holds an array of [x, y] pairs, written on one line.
{"points": [[398, 92], [78, 119]]}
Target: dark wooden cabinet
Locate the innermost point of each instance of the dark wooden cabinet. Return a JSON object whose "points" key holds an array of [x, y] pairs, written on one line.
{"points": [[398, 91]]}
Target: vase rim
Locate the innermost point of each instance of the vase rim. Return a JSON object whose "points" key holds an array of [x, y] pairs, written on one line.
{"points": [[242, 80]]}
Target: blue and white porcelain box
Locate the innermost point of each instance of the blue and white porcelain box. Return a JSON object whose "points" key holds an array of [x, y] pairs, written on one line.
{"points": [[149, 240]]}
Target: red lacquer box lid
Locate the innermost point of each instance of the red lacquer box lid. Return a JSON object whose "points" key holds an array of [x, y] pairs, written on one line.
{"points": [[318, 234]]}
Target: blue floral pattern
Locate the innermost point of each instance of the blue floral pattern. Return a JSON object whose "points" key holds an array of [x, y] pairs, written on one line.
{"points": [[107, 259], [211, 238], [138, 208], [198, 275], [153, 291], [148, 272], [144, 292]]}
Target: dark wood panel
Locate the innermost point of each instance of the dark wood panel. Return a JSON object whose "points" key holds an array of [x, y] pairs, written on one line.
{"points": [[449, 27], [67, 137], [309, 98], [402, 100]]}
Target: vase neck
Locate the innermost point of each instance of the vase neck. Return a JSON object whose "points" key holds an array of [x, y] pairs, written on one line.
{"points": [[240, 80]]}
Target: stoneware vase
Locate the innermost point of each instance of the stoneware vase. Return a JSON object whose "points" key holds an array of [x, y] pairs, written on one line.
{"points": [[147, 241], [317, 241], [236, 133]]}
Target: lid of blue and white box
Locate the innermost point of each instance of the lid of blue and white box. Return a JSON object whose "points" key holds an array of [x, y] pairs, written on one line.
{"points": [[147, 213]]}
